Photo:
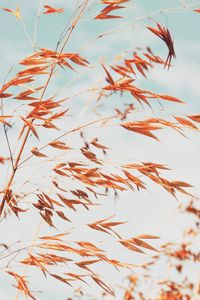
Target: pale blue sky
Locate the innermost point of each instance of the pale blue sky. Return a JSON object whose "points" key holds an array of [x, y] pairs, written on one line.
{"points": [[152, 212]]}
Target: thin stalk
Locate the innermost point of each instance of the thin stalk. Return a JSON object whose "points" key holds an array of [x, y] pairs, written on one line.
{"points": [[66, 133], [42, 95], [36, 24], [15, 167]]}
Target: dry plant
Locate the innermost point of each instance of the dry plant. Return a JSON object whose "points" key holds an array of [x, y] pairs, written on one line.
{"points": [[54, 168]]}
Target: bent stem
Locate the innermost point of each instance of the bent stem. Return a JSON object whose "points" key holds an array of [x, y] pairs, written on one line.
{"points": [[14, 171], [42, 95]]}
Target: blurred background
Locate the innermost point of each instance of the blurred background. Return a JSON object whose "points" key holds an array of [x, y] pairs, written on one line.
{"points": [[151, 212]]}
